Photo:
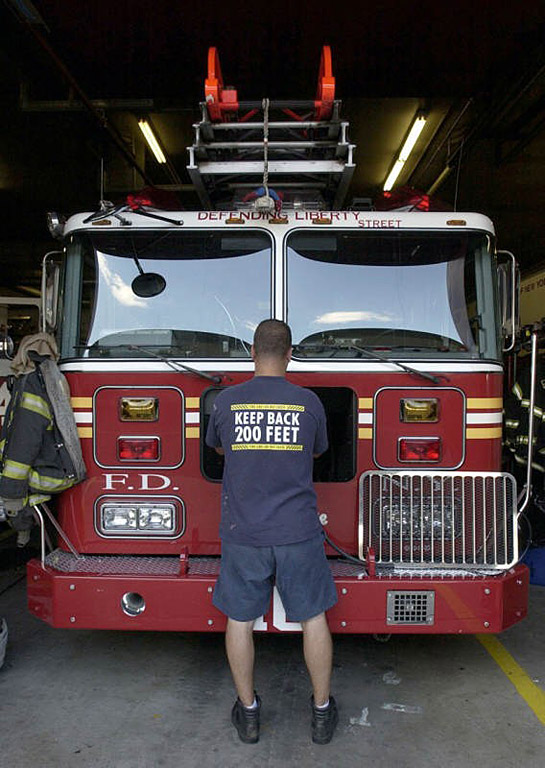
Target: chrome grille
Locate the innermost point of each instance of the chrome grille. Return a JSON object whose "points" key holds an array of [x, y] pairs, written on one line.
{"points": [[459, 520], [414, 607]]}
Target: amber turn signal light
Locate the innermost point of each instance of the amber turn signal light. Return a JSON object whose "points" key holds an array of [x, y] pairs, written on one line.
{"points": [[419, 410], [138, 408]]}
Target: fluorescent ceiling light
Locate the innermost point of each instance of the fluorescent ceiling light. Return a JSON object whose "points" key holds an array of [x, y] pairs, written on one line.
{"points": [[153, 144], [404, 152]]}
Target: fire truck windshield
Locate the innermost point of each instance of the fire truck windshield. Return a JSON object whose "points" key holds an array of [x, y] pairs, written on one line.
{"points": [[218, 288], [410, 294]]}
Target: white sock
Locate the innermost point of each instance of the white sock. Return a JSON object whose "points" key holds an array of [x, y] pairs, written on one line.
{"points": [[253, 705], [323, 706]]}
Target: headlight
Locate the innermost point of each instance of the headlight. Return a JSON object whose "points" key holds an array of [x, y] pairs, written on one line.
{"points": [[157, 518], [119, 518], [136, 519], [427, 520]]}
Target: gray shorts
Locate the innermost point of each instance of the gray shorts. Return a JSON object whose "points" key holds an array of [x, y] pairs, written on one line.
{"points": [[300, 571]]}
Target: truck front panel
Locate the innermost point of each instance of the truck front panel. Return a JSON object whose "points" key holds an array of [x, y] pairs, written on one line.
{"points": [[395, 328]]}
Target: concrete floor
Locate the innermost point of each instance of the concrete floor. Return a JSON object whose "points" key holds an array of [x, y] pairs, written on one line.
{"points": [[145, 700]]}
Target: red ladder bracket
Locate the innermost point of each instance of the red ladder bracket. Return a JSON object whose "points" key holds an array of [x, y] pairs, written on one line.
{"points": [[219, 99], [325, 93]]}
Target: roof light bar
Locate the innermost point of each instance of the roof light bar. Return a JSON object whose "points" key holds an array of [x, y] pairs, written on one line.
{"points": [[153, 144], [405, 151]]}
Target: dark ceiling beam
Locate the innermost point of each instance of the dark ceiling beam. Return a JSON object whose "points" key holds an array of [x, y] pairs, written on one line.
{"points": [[491, 117], [522, 130], [521, 144], [26, 104], [110, 130], [519, 89], [490, 114]]}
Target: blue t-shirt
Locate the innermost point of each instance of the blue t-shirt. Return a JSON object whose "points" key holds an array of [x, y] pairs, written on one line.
{"points": [[269, 429]]}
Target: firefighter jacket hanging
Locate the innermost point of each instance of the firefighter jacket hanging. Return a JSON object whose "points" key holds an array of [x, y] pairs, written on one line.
{"points": [[39, 445]]}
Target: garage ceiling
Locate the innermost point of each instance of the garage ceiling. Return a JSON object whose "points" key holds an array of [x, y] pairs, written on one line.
{"points": [[476, 69]]}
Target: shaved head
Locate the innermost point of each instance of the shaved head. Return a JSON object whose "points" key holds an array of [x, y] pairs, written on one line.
{"points": [[272, 338]]}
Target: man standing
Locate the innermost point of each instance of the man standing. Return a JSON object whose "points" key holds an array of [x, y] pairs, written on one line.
{"points": [[269, 431]]}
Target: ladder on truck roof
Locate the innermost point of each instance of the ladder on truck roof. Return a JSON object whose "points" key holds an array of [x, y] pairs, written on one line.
{"points": [[296, 153]]}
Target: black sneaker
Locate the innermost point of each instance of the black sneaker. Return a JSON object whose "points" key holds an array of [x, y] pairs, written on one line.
{"points": [[246, 721], [324, 722]]}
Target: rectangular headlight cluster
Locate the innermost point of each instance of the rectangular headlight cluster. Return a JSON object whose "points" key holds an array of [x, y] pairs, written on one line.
{"points": [[427, 520], [138, 519]]}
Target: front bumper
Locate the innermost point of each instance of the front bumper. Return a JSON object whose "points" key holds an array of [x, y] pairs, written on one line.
{"points": [[174, 594]]}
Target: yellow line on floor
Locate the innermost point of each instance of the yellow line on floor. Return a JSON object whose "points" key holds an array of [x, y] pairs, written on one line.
{"points": [[532, 694]]}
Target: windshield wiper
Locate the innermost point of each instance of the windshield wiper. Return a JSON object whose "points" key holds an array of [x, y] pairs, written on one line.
{"points": [[115, 211], [175, 365], [371, 354]]}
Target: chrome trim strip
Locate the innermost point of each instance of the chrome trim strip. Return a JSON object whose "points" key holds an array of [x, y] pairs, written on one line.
{"points": [[527, 490], [224, 364]]}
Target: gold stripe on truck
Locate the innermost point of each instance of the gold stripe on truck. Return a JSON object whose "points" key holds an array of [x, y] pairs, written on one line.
{"points": [[81, 402], [486, 433], [365, 433], [474, 403]]}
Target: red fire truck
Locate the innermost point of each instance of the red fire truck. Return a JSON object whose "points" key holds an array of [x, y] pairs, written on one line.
{"points": [[398, 321]]}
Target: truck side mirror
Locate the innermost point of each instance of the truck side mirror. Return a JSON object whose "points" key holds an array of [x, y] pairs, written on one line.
{"points": [[508, 291], [51, 273]]}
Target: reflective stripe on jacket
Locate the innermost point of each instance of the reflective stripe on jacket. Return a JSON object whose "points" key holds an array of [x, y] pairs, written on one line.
{"points": [[34, 460]]}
